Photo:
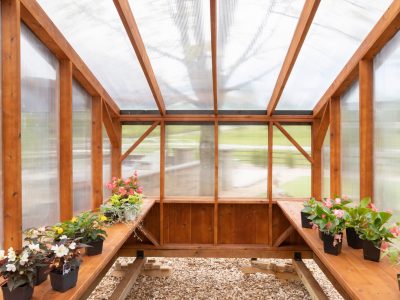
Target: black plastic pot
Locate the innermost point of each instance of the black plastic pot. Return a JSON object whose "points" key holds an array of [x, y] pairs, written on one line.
{"points": [[24, 292], [370, 251], [62, 283], [40, 275], [95, 249], [305, 222], [398, 279], [111, 216], [328, 244], [353, 240]]}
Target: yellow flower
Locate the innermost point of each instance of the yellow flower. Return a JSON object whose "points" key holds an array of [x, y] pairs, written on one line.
{"points": [[60, 230], [103, 218], [74, 219]]}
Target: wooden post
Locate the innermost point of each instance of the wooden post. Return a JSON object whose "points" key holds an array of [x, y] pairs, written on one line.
{"points": [[11, 118], [216, 180], [335, 148], [66, 169], [116, 150], [97, 153], [269, 190], [316, 170], [162, 180], [366, 129]]}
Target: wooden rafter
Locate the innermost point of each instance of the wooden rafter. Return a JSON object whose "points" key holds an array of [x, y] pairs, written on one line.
{"points": [[213, 12], [382, 32], [109, 126], [304, 23], [139, 140], [293, 141], [41, 25], [127, 18]]}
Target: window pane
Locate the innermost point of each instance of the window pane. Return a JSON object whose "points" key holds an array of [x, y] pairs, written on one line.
{"points": [[387, 126], [338, 29], [95, 31], [106, 164], [242, 165], [291, 170], [326, 166], [350, 143], [145, 159], [253, 39], [177, 38], [39, 132], [82, 148], [189, 169]]}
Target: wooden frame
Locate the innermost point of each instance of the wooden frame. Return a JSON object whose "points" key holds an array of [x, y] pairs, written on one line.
{"points": [[97, 153], [213, 17], [335, 148]]}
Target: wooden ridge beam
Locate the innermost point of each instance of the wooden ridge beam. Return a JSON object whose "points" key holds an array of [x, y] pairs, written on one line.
{"points": [[213, 12], [109, 126], [303, 25], [293, 141], [37, 20], [139, 140], [284, 236], [387, 26], [127, 18]]}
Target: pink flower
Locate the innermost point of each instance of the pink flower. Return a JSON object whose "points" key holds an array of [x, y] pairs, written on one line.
{"points": [[122, 191], [345, 197], [328, 203], [114, 178], [372, 207], [395, 230], [131, 192], [323, 216], [127, 181], [338, 200], [338, 213], [140, 190], [314, 226], [384, 246], [110, 186]]}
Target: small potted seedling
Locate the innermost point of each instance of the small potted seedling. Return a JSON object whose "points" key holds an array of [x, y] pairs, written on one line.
{"points": [[355, 219], [306, 212], [392, 249]]}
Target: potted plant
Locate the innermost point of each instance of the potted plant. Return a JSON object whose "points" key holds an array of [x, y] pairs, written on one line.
{"points": [[18, 270], [356, 217], [392, 249], [131, 206], [331, 222], [374, 233], [65, 264], [309, 207], [91, 231]]}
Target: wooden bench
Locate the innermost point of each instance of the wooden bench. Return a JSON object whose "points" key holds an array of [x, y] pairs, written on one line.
{"points": [[354, 277], [93, 268]]}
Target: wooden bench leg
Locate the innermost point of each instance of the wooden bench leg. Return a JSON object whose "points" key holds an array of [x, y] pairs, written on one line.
{"points": [[126, 284], [309, 281]]}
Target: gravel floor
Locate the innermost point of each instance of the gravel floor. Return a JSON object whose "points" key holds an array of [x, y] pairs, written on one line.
{"points": [[195, 278]]}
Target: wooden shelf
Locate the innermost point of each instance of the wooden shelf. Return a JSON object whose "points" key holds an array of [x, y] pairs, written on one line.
{"points": [[359, 278]]}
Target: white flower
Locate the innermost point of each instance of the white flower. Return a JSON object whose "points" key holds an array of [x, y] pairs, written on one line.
{"points": [[42, 229], [24, 258], [11, 268], [11, 254], [60, 251], [2, 252], [25, 243], [34, 234], [72, 246], [34, 247], [63, 237]]}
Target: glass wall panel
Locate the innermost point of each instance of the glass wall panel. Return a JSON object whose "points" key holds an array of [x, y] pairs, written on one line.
{"points": [[253, 39], [95, 31], [338, 29], [291, 170], [82, 148], [350, 143], [39, 132], [242, 165], [387, 127], [326, 166], [106, 164], [145, 159], [177, 37], [189, 167]]}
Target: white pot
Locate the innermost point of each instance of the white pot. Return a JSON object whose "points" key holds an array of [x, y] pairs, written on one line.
{"points": [[129, 214]]}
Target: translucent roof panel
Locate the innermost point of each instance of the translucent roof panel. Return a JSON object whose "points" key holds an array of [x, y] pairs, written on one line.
{"points": [[177, 37], [253, 39], [95, 31], [338, 29]]}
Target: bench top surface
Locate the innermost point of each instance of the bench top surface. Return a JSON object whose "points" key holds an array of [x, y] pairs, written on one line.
{"points": [[361, 279], [93, 265]]}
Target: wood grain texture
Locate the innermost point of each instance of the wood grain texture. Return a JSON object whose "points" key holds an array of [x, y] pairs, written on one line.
{"points": [[366, 130], [108, 122], [66, 158], [116, 149], [335, 148], [213, 18], [323, 127], [162, 180], [361, 279], [97, 153], [303, 25], [270, 175], [387, 26], [216, 179], [316, 171], [127, 18], [41, 25]]}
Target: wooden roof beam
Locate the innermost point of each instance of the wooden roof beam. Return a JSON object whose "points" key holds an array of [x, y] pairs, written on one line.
{"points": [[383, 31], [127, 18], [213, 12], [304, 23]]}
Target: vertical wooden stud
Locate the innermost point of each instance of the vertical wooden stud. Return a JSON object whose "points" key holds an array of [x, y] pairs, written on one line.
{"points": [[366, 129], [335, 148], [11, 118], [316, 170], [216, 178], [66, 165], [269, 190], [162, 180], [97, 153], [116, 150]]}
